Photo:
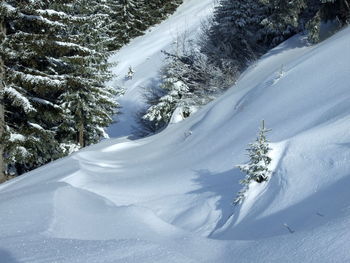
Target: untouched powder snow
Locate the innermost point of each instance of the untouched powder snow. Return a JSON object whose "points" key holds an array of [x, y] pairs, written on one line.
{"points": [[144, 55], [167, 198]]}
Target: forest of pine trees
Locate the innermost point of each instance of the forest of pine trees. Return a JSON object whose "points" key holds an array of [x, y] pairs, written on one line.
{"points": [[239, 32], [53, 70]]}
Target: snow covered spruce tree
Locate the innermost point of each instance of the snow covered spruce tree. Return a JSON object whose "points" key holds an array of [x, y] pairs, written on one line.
{"points": [[130, 18], [86, 100], [189, 82], [231, 41], [257, 169], [336, 9], [283, 19], [117, 21], [286, 18], [103, 21], [30, 86], [2, 106], [176, 95], [54, 78], [129, 14], [157, 10], [337, 12]]}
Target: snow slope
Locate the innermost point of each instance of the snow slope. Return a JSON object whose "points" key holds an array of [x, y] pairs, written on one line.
{"points": [[144, 55], [167, 198]]}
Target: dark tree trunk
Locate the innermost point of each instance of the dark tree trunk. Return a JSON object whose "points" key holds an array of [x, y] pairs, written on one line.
{"points": [[81, 135]]}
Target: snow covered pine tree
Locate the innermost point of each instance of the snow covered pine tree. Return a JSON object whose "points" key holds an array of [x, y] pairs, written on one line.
{"points": [[30, 86], [131, 24], [282, 21], [86, 101], [176, 94], [2, 108], [156, 10], [54, 80], [258, 167], [231, 42]]}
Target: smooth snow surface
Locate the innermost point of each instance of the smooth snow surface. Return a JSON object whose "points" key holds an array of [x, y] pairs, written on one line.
{"points": [[167, 198]]}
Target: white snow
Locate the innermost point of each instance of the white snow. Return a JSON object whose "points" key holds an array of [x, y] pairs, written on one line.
{"points": [[7, 7], [19, 99], [69, 44], [16, 137], [51, 12], [167, 198], [36, 126], [37, 79]]}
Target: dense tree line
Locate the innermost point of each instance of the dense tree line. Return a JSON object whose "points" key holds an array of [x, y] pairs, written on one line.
{"points": [[239, 32], [53, 69]]}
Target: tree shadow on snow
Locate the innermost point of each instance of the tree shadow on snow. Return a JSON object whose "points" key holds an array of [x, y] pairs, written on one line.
{"points": [[225, 185], [6, 257], [314, 211], [292, 43], [317, 210]]}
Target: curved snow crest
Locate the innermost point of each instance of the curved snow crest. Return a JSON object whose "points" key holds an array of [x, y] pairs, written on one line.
{"points": [[89, 215]]}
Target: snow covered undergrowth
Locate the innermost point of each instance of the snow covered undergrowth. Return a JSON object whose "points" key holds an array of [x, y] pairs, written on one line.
{"points": [[144, 55], [167, 198]]}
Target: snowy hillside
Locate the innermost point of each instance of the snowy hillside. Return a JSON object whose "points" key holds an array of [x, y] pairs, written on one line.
{"points": [[145, 58], [167, 198]]}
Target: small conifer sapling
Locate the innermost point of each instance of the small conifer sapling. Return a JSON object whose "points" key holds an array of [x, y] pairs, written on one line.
{"points": [[257, 169]]}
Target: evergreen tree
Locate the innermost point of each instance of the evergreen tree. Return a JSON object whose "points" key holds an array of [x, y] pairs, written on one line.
{"points": [[189, 82], [31, 114], [176, 95], [105, 15], [257, 169], [336, 9], [231, 42], [86, 99], [2, 108], [313, 29], [283, 20], [157, 10], [286, 18], [113, 27], [130, 20], [327, 10], [54, 61], [54, 93]]}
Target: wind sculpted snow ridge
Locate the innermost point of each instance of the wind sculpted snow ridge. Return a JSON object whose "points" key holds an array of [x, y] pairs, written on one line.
{"points": [[167, 198]]}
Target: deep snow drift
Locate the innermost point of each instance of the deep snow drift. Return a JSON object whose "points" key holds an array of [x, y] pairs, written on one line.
{"points": [[167, 198]]}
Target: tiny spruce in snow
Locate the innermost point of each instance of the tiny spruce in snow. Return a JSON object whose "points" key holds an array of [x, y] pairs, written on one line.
{"points": [[257, 168]]}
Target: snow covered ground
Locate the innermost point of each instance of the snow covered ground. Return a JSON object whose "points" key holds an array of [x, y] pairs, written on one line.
{"points": [[144, 56], [167, 198]]}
